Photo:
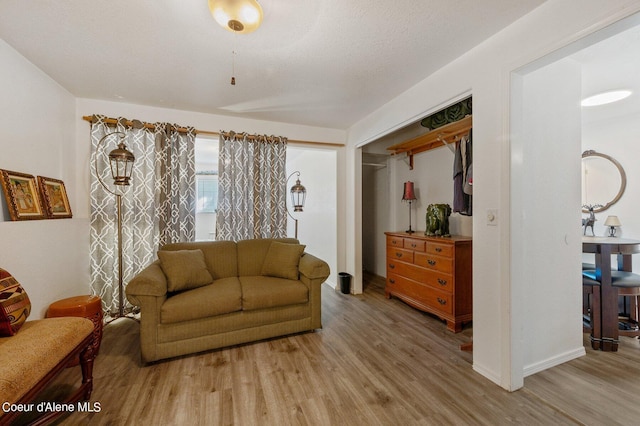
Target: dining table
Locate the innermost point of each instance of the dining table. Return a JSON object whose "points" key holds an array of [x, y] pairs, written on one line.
{"points": [[605, 337]]}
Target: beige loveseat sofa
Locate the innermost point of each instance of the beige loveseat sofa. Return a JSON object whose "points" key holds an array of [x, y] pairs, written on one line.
{"points": [[205, 295]]}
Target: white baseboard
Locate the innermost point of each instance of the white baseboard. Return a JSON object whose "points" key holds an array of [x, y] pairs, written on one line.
{"points": [[553, 361], [488, 374]]}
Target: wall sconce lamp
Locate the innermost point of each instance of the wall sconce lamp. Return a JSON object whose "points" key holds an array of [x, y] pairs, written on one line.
{"points": [[298, 197], [121, 162], [410, 196], [612, 222]]}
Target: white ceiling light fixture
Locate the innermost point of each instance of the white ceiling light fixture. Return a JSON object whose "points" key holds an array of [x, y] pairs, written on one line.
{"points": [[237, 16], [605, 97]]}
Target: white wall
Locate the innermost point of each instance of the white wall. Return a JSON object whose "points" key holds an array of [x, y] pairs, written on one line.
{"points": [[545, 179], [317, 223], [432, 175], [618, 137], [376, 207], [48, 257], [485, 72]]}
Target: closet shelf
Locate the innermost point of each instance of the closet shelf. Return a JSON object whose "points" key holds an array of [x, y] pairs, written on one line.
{"points": [[436, 138]]}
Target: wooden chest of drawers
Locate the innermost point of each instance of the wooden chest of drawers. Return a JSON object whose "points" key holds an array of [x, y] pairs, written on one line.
{"points": [[432, 274]]}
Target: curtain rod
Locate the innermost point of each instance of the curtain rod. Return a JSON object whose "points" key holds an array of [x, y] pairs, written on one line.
{"points": [[89, 118]]}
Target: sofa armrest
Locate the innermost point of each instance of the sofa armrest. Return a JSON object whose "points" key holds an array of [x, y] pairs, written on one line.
{"points": [[151, 281], [313, 268]]}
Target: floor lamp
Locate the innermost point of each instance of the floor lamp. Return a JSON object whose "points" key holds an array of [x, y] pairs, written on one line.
{"points": [[121, 162], [298, 197]]}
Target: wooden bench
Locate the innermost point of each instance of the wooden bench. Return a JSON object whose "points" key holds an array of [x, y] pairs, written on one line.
{"points": [[32, 358]]}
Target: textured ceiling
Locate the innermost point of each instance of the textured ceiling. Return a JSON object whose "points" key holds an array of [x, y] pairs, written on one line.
{"points": [[323, 63]]}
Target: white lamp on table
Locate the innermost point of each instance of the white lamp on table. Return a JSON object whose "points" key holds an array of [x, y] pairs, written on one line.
{"points": [[612, 222]]}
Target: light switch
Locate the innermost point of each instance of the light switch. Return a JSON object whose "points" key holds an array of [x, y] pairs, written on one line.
{"points": [[492, 217]]}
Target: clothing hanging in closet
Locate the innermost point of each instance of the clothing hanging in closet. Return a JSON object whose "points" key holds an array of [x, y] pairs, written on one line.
{"points": [[463, 176]]}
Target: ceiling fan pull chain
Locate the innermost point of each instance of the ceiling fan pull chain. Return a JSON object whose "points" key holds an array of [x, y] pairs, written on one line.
{"points": [[233, 60]]}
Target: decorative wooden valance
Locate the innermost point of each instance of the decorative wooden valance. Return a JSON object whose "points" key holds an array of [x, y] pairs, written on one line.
{"points": [[449, 133]]}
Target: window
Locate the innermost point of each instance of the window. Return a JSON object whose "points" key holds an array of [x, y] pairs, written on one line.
{"points": [[206, 153], [207, 192]]}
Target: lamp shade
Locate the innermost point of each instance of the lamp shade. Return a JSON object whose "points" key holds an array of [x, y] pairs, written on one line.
{"points": [[408, 194], [238, 16], [121, 160], [298, 196], [612, 221]]}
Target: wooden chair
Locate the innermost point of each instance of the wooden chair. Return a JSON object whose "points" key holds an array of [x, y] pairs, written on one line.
{"points": [[589, 298], [628, 285], [590, 305]]}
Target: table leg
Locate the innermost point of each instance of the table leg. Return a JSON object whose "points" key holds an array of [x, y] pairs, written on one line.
{"points": [[608, 300], [596, 325]]}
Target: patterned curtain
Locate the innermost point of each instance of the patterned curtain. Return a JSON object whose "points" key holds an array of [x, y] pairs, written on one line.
{"points": [[175, 188], [157, 208], [251, 193]]}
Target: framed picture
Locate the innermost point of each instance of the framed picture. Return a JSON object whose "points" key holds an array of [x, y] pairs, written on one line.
{"points": [[21, 193], [54, 198]]}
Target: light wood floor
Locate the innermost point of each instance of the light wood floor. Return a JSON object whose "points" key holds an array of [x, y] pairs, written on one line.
{"points": [[375, 362]]}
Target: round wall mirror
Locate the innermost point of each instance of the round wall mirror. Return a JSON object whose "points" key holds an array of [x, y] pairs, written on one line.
{"points": [[603, 181]]}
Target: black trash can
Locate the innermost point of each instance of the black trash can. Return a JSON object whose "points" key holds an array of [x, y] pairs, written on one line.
{"points": [[345, 282]]}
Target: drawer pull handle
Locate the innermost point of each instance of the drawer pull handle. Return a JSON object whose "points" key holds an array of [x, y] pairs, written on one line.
{"points": [[442, 282], [413, 245], [392, 281], [398, 254], [431, 262], [438, 249], [392, 266], [442, 301]]}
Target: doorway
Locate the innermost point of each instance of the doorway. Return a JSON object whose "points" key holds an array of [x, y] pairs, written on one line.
{"points": [[549, 131]]}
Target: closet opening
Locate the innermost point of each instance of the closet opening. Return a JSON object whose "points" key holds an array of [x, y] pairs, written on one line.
{"points": [[425, 153]]}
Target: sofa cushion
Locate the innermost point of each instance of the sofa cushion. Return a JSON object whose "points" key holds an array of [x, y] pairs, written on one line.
{"points": [[15, 305], [221, 257], [261, 292], [185, 269], [221, 297], [251, 254], [282, 260]]}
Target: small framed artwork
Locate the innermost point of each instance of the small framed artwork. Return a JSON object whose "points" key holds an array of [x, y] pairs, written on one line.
{"points": [[21, 193], [54, 198]]}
